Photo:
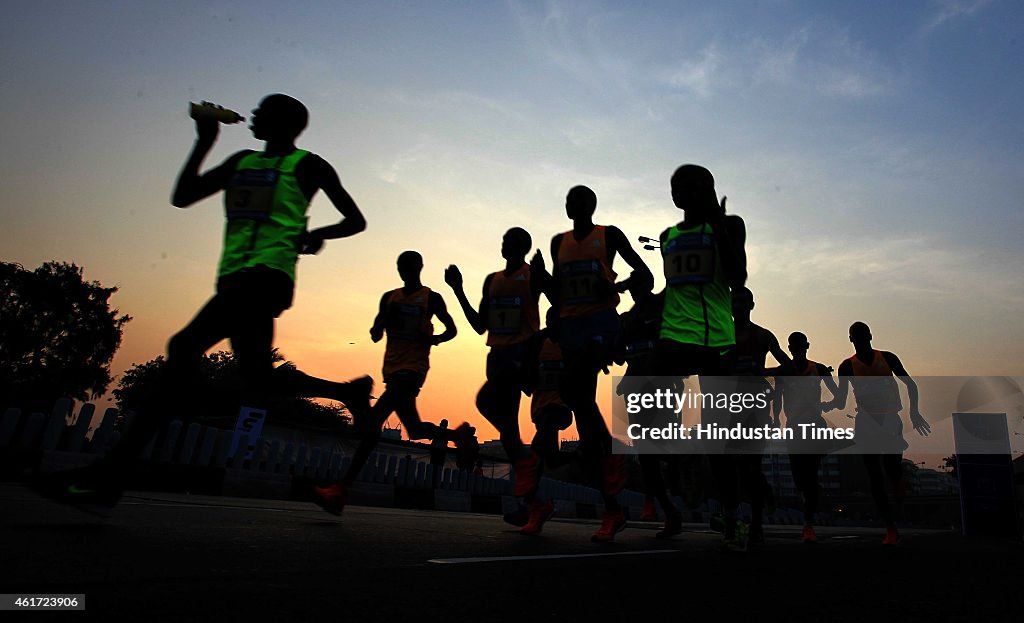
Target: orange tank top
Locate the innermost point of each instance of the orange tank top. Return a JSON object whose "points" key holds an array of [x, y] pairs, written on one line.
{"points": [[586, 280], [408, 326], [512, 317], [802, 396], [875, 395]]}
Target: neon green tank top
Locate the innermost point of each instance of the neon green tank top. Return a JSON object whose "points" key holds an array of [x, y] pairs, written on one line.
{"points": [[266, 214], [698, 303]]}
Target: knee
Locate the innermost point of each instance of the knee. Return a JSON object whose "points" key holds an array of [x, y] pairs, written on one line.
{"points": [[485, 398]]}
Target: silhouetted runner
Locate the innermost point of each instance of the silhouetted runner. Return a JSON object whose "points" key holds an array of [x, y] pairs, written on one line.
{"points": [[798, 395], [878, 429], [508, 314], [548, 411], [586, 295], [640, 328], [753, 344], [703, 259], [405, 316], [266, 197]]}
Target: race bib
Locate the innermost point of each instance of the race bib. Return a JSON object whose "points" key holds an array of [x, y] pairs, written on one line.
{"points": [[581, 282], [251, 194], [689, 259], [550, 376], [505, 315]]}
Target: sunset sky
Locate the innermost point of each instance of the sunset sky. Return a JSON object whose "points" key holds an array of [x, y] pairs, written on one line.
{"points": [[874, 150]]}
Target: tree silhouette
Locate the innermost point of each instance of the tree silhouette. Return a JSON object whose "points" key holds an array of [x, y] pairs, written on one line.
{"points": [[949, 463], [216, 396], [57, 334]]}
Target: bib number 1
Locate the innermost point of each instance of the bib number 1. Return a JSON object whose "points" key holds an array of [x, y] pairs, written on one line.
{"points": [[505, 315]]}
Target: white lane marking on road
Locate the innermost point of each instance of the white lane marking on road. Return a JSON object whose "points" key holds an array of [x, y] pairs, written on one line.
{"points": [[464, 561], [152, 502]]}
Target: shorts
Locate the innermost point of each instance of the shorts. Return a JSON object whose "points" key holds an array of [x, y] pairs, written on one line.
{"points": [[408, 382], [583, 333], [259, 289], [676, 359], [507, 364]]}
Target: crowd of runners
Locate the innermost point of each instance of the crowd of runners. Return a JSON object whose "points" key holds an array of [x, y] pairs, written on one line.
{"points": [[699, 324]]}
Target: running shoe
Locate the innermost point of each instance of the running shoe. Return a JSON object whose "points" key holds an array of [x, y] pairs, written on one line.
{"points": [[540, 512], [808, 535], [518, 517], [527, 475], [892, 537], [614, 473], [739, 540], [612, 523], [90, 489], [673, 526], [649, 513], [331, 498]]}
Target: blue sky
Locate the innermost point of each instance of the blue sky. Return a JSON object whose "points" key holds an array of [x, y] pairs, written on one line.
{"points": [[874, 149]]}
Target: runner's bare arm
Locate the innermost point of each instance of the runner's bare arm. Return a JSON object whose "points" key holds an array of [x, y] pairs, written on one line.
{"points": [[554, 294], [842, 389], [352, 222], [453, 277], [916, 419], [776, 350], [377, 330], [733, 232], [618, 243], [439, 309], [826, 375], [777, 402], [539, 277], [191, 187]]}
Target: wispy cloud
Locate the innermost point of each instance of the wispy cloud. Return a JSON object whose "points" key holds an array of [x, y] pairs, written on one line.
{"points": [[698, 75], [821, 58], [947, 10], [912, 267]]}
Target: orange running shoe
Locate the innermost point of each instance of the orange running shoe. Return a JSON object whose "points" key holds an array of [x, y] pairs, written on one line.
{"points": [[892, 537], [540, 512], [612, 523], [650, 513], [332, 498]]}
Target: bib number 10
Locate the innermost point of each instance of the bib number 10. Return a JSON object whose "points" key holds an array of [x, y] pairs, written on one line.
{"points": [[689, 260]]}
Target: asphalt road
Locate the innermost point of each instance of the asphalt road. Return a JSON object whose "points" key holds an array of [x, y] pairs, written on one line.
{"points": [[178, 557]]}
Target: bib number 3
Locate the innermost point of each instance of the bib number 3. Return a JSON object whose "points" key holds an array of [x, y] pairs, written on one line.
{"points": [[251, 194]]}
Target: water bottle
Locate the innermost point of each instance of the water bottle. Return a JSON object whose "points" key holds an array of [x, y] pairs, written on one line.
{"points": [[209, 110]]}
